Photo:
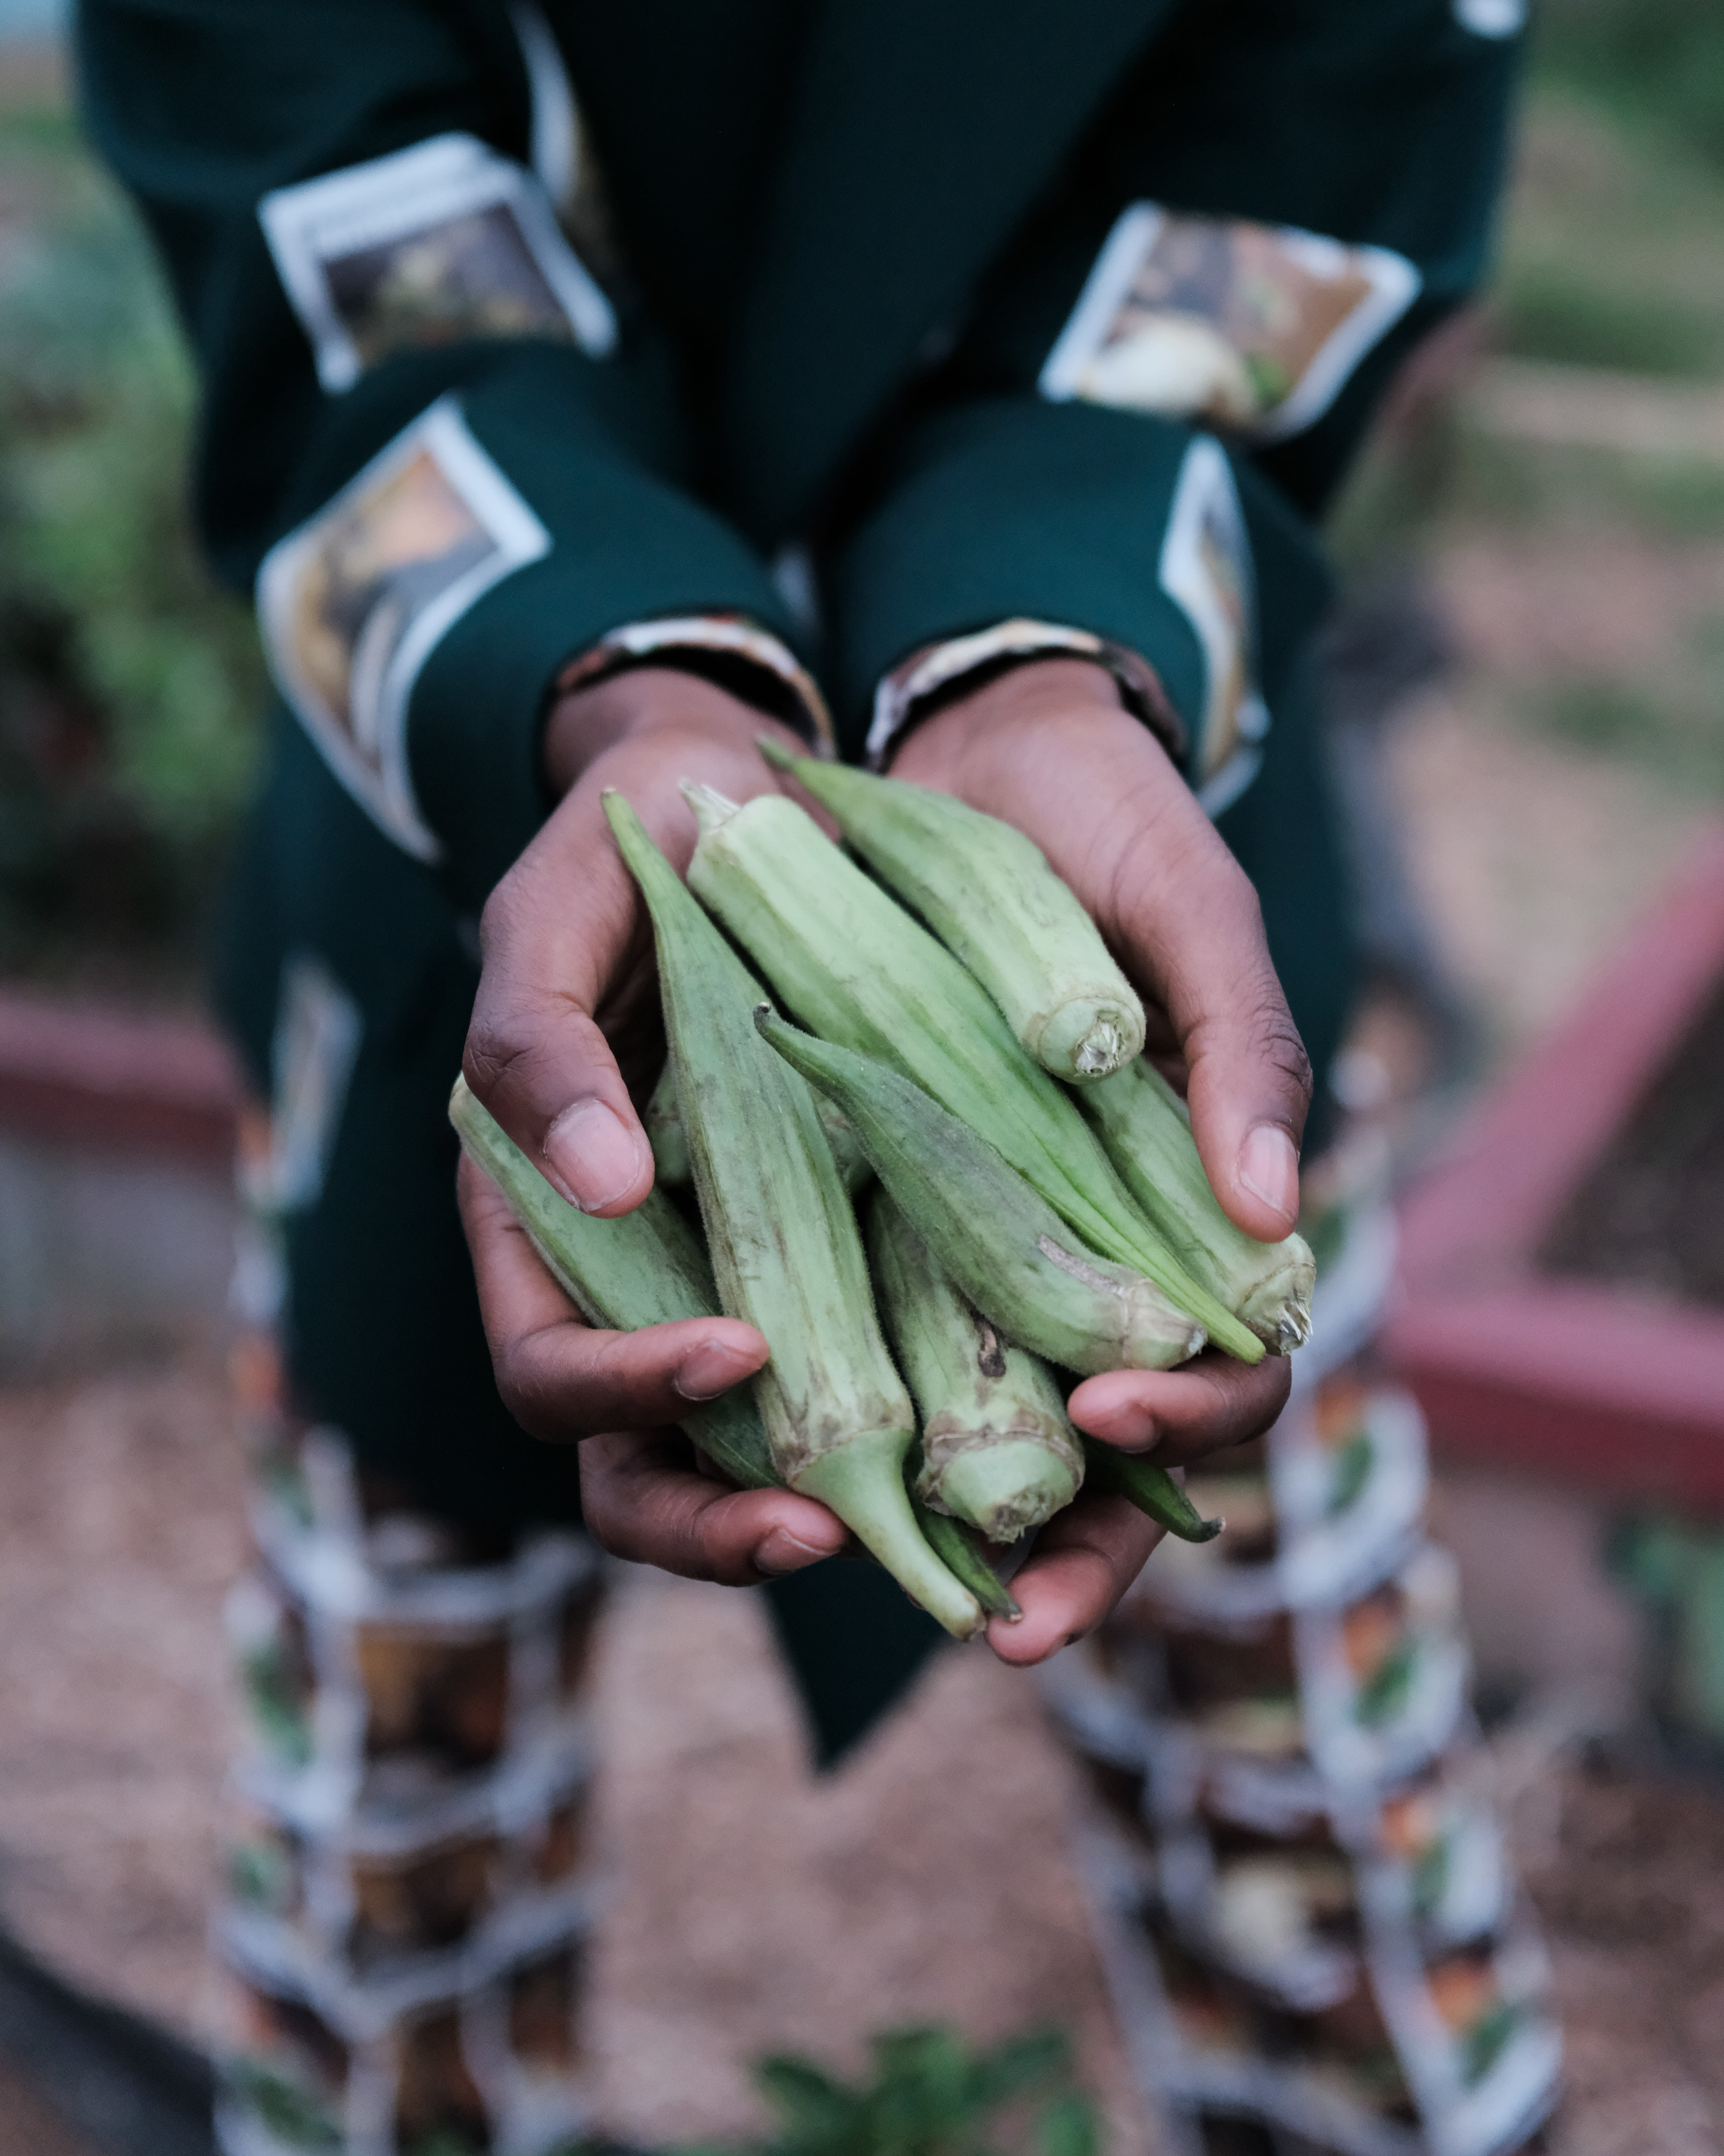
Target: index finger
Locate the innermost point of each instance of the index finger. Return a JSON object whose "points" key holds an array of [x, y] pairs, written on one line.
{"points": [[561, 1378]]}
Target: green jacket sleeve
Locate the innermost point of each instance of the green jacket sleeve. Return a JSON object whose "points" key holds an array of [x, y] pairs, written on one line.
{"points": [[424, 431], [1157, 387]]}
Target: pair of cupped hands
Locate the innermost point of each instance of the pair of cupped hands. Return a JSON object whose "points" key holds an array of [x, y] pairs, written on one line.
{"points": [[567, 1017]]}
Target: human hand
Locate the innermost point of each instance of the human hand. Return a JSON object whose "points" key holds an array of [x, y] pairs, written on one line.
{"points": [[567, 986], [1048, 747]]}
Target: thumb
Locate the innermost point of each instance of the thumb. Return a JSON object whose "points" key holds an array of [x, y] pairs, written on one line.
{"points": [[1189, 925], [558, 931], [1249, 1085]]}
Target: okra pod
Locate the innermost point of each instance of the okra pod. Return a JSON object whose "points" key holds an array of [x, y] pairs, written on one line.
{"points": [[787, 1255], [989, 894], [643, 1268], [1145, 1128], [997, 1448], [858, 970], [672, 1167], [663, 1122], [1005, 1247], [957, 1547], [1152, 1489]]}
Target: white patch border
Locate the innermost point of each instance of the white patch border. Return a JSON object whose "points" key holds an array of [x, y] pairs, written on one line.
{"points": [[1206, 480], [383, 787], [1395, 283], [1496, 20], [313, 1051], [315, 222]]}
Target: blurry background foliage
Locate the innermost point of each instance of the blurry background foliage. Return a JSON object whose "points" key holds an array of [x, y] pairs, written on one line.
{"points": [[930, 2094], [129, 690]]}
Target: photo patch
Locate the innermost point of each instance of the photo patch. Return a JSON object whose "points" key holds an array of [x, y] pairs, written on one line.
{"points": [[1253, 327], [1206, 569], [425, 247], [352, 604]]}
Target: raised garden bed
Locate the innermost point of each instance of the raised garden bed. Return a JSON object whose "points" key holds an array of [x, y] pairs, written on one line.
{"points": [[1562, 1296]]}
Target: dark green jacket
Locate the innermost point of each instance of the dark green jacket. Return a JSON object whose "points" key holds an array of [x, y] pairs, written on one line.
{"points": [[847, 235], [844, 246]]}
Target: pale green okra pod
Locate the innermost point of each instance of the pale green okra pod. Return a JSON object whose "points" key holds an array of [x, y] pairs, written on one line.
{"points": [[989, 894], [673, 1168], [643, 1268], [1145, 1130], [858, 970], [787, 1255], [998, 1449], [1000, 1241]]}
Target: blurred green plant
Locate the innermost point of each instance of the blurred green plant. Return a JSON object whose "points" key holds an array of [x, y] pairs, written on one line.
{"points": [[1662, 60], [1613, 246], [929, 2095], [130, 687]]}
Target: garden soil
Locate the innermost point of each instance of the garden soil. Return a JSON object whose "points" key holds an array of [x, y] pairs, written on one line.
{"points": [[755, 1905]]}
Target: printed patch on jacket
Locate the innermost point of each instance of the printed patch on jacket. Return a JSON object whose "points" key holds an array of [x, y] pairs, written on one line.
{"points": [[1206, 569], [425, 247], [352, 604], [1254, 327], [317, 1032]]}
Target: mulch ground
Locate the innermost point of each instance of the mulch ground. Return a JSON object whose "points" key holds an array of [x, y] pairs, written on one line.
{"points": [[756, 1907]]}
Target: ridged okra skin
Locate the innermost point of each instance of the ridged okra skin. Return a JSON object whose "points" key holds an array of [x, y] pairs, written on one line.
{"points": [[1004, 1245], [663, 1124], [859, 971], [673, 1168], [787, 1254], [989, 894], [1146, 1130], [643, 1268], [998, 1449]]}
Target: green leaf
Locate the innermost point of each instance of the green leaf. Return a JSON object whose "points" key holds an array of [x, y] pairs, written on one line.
{"points": [[807, 2101], [1069, 2127], [1020, 2065]]}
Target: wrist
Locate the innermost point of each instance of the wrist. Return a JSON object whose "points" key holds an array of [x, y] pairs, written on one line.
{"points": [[1029, 699], [584, 723]]}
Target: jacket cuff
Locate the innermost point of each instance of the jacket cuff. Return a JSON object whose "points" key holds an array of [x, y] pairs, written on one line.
{"points": [[734, 653], [912, 692], [1140, 533]]}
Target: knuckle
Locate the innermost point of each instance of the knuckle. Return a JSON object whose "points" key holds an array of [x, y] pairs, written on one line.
{"points": [[495, 1049], [523, 1384]]}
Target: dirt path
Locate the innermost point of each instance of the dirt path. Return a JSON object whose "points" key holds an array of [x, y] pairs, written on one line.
{"points": [[755, 1906]]}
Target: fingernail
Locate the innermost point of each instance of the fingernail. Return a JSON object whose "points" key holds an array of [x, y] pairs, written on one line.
{"points": [[783, 1552], [709, 1370], [593, 1154], [1269, 1168]]}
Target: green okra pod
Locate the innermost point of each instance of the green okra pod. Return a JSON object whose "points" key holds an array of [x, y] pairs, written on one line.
{"points": [[1000, 1241], [643, 1268], [958, 1547], [662, 1123], [998, 1449], [673, 1168], [1145, 1128], [1152, 1489], [858, 970], [787, 1255], [989, 894]]}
